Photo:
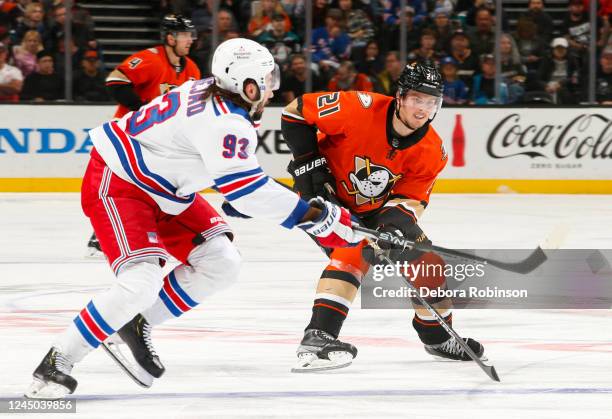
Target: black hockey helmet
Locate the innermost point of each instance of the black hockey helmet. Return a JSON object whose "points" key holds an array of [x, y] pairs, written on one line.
{"points": [[421, 77], [172, 24]]}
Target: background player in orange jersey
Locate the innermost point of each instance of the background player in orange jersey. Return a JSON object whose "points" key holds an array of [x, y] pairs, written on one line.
{"points": [[378, 156], [149, 73]]}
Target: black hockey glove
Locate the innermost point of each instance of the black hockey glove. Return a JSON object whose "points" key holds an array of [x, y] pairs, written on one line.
{"points": [[312, 178], [397, 222]]}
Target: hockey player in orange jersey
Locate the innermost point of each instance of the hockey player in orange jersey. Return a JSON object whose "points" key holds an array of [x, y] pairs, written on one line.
{"points": [[378, 156], [154, 71], [149, 73]]}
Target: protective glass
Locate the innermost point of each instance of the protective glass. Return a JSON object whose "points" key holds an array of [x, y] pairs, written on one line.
{"points": [[429, 103]]}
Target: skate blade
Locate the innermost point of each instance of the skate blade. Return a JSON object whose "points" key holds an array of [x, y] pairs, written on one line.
{"points": [[42, 390], [129, 366], [437, 358], [311, 363], [93, 253]]}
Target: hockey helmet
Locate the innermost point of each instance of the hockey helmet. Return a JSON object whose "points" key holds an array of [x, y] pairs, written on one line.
{"points": [[421, 77], [172, 24], [238, 60]]}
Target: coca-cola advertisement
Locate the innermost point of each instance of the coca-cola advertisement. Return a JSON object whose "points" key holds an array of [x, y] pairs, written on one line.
{"points": [[506, 143]]}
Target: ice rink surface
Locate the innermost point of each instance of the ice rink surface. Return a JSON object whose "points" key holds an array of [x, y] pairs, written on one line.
{"points": [[231, 356]]}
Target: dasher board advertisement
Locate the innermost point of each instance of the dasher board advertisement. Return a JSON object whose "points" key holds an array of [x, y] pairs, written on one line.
{"points": [[543, 150]]}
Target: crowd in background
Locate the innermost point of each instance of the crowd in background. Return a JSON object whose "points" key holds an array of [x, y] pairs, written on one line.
{"points": [[355, 46]]}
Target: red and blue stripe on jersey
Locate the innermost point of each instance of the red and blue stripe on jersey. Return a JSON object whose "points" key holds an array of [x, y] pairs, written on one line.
{"points": [[131, 158], [92, 326], [237, 185]]}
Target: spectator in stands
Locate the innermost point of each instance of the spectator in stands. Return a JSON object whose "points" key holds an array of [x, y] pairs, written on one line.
{"points": [[11, 79], [282, 44], [387, 79], [482, 37], [32, 20], [544, 23], [262, 20], [391, 11], [359, 27], [530, 47], [576, 28], [558, 73], [483, 85], [330, 43], [294, 82], [426, 50], [80, 15], [319, 12], [9, 13], [475, 7], [390, 32], [24, 55], [511, 65], [89, 81], [59, 59], [603, 84], [455, 90], [442, 29], [347, 78], [82, 35], [372, 63], [605, 32], [44, 84], [467, 62]]}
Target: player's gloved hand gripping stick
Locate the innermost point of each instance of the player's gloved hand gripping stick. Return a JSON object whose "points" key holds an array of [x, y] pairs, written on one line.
{"points": [[534, 260]]}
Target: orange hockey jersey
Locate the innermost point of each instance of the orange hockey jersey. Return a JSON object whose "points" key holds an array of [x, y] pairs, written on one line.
{"points": [[355, 136], [152, 74]]}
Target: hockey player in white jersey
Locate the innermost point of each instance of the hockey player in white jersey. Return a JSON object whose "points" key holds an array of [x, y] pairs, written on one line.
{"points": [[140, 192]]}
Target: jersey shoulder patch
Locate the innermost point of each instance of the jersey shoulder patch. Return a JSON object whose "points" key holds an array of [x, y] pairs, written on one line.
{"points": [[365, 99]]}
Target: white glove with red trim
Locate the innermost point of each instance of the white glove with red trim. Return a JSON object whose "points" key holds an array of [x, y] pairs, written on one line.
{"points": [[333, 228]]}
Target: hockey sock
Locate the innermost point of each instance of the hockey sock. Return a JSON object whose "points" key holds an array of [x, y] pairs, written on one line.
{"points": [[328, 313], [135, 289], [174, 299], [429, 330], [214, 266]]}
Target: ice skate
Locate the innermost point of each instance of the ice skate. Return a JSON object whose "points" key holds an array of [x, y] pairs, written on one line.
{"points": [[132, 349], [451, 350], [52, 378], [94, 250], [320, 351]]}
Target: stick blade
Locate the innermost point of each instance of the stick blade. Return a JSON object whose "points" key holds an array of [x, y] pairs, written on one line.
{"points": [[533, 261]]}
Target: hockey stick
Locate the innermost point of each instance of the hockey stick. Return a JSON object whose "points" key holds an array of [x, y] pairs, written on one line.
{"points": [[488, 369], [535, 259]]}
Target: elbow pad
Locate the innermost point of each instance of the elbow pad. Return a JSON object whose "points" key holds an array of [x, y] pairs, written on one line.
{"points": [[124, 94]]}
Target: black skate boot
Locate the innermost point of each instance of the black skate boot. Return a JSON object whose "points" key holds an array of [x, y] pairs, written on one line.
{"points": [[452, 350], [52, 378], [137, 336], [142, 363], [93, 247], [320, 351]]}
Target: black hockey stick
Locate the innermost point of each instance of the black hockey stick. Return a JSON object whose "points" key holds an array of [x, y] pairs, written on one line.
{"points": [[535, 259], [488, 369]]}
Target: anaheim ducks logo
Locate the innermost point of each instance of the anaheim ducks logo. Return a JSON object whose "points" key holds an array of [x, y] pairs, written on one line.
{"points": [[166, 87], [371, 182]]}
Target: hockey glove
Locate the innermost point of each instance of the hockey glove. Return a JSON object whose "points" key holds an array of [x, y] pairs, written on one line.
{"points": [[312, 178], [333, 227], [401, 224]]}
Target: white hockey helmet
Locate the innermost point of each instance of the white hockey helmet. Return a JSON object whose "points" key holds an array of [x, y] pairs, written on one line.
{"points": [[240, 59]]}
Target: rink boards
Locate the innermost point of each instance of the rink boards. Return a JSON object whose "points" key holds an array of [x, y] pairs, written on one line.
{"points": [[45, 148]]}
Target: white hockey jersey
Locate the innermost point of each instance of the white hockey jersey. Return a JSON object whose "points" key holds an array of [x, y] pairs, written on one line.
{"points": [[179, 144]]}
